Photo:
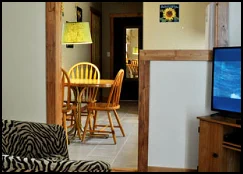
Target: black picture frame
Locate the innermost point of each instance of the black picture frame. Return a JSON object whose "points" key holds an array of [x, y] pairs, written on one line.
{"points": [[169, 13], [79, 13]]}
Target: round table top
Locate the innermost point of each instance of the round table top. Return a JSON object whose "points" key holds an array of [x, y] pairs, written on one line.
{"points": [[103, 83]]}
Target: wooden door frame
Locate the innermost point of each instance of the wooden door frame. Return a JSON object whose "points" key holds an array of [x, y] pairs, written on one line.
{"points": [[112, 16], [98, 13], [53, 62], [53, 71]]}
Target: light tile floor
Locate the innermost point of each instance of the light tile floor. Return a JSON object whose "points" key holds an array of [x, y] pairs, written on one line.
{"points": [[122, 155]]}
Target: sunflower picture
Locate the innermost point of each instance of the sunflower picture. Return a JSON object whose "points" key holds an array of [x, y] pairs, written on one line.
{"points": [[169, 13]]}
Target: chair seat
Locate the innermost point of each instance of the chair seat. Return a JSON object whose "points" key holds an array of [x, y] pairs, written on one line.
{"points": [[102, 106]]}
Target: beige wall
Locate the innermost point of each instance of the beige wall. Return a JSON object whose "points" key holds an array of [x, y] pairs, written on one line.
{"points": [[107, 9], [179, 90], [188, 33], [71, 56]]}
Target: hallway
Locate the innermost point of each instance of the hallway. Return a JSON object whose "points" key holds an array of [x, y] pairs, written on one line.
{"points": [[122, 155]]}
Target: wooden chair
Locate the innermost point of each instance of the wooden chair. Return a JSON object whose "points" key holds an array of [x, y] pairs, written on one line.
{"points": [[66, 105], [132, 70], [111, 105], [134, 62], [84, 70]]}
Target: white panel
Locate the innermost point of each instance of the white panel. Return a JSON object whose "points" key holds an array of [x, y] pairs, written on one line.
{"points": [[179, 92], [23, 61], [234, 23]]}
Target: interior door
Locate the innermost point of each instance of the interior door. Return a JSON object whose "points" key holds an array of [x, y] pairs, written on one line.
{"points": [[126, 53]]}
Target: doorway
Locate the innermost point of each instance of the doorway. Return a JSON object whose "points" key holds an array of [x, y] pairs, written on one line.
{"points": [[127, 40], [53, 82]]}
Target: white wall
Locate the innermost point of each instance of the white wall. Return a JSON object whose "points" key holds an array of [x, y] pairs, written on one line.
{"points": [[179, 90], [80, 53], [235, 24], [23, 61]]}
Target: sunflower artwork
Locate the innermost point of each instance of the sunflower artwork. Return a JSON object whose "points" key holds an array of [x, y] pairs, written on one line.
{"points": [[169, 13]]}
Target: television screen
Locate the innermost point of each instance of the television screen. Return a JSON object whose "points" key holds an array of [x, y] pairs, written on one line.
{"points": [[226, 84]]}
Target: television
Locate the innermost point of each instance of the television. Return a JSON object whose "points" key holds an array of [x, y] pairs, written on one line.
{"points": [[226, 81]]}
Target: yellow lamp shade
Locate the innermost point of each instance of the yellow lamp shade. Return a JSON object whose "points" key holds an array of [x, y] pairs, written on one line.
{"points": [[76, 33], [135, 50]]}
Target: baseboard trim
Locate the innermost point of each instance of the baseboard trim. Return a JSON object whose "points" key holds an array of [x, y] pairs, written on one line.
{"points": [[167, 169], [124, 170]]}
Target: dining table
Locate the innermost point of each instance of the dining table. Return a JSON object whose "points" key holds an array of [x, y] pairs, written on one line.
{"points": [[101, 83], [77, 85]]}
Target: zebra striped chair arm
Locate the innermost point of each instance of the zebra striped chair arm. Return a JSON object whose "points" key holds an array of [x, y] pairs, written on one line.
{"points": [[33, 140], [19, 164]]}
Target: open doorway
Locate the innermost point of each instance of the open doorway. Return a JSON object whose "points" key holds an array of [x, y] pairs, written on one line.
{"points": [[53, 80], [127, 41]]}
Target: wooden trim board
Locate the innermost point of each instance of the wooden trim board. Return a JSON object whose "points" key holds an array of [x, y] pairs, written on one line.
{"points": [[123, 170], [221, 19], [154, 169], [167, 169], [143, 115], [176, 55]]}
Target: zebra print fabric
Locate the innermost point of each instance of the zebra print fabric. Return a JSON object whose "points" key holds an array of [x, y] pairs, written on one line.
{"points": [[18, 164], [33, 140], [40, 147]]}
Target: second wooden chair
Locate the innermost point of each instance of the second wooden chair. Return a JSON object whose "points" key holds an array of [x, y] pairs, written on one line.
{"points": [[111, 105]]}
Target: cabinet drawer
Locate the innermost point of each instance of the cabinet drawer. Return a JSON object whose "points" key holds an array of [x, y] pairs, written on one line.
{"points": [[210, 147]]}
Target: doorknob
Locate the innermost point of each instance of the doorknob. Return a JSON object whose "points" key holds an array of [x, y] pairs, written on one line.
{"points": [[215, 155]]}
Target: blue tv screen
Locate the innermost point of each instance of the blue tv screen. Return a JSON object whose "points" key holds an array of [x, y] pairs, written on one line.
{"points": [[226, 84]]}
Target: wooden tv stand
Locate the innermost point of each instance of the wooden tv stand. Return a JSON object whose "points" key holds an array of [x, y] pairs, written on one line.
{"points": [[215, 154]]}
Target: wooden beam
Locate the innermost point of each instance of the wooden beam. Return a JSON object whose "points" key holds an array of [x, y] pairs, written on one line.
{"points": [[143, 114], [176, 55], [53, 62], [221, 38]]}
